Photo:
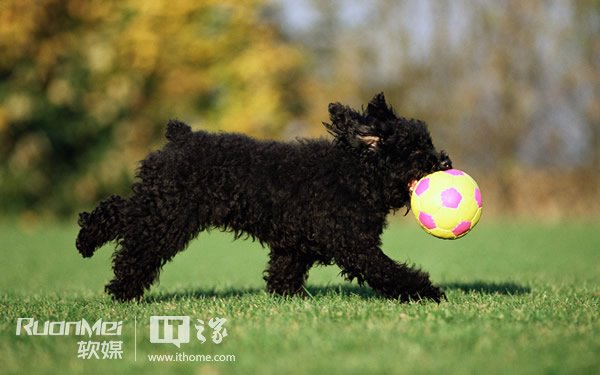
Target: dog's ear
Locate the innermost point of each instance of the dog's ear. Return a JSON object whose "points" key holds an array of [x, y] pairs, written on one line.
{"points": [[345, 124], [377, 117], [378, 109], [342, 117], [351, 128]]}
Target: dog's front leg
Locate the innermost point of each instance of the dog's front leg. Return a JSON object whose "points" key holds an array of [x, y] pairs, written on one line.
{"points": [[287, 271], [391, 279]]}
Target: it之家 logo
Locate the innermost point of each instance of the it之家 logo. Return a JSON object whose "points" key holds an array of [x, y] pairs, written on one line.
{"points": [[176, 330]]}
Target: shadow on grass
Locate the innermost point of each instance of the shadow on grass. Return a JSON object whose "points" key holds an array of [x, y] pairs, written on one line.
{"points": [[348, 290], [314, 291], [483, 287], [203, 293]]}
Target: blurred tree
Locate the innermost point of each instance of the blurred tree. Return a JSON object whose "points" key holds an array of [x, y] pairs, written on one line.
{"points": [[587, 12], [86, 87], [510, 88]]}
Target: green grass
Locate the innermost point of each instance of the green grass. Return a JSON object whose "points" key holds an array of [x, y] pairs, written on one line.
{"points": [[522, 298]]}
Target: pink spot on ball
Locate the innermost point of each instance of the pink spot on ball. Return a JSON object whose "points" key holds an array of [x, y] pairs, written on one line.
{"points": [[455, 172], [426, 220], [422, 186], [462, 228], [478, 197], [451, 198]]}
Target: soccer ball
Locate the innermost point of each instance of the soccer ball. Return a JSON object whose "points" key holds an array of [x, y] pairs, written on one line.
{"points": [[447, 204]]}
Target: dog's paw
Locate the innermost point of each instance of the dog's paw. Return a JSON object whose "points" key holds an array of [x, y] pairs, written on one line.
{"points": [[434, 293], [84, 248], [123, 293], [429, 292]]}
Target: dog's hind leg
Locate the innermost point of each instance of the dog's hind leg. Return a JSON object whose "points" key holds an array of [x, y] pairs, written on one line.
{"points": [[100, 226], [151, 239], [287, 272], [136, 264], [391, 279]]}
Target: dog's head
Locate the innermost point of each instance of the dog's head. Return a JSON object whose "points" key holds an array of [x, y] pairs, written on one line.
{"points": [[400, 148]]}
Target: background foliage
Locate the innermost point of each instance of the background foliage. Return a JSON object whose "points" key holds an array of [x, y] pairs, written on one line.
{"points": [[87, 87], [511, 89]]}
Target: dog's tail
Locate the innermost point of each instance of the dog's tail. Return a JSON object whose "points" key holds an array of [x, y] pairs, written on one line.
{"points": [[177, 131], [100, 226]]}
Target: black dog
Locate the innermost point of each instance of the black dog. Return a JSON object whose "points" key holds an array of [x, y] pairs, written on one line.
{"points": [[311, 201]]}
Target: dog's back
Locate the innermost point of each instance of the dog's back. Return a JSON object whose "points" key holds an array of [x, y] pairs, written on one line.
{"points": [[252, 186]]}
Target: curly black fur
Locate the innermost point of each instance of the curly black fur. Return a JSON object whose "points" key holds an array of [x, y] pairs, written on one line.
{"points": [[311, 201]]}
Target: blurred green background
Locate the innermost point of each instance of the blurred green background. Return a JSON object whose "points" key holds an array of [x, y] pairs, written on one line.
{"points": [[510, 89]]}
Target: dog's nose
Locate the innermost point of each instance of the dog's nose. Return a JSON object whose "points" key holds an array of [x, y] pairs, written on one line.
{"points": [[445, 162]]}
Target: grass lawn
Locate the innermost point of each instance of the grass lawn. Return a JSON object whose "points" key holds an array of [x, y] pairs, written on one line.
{"points": [[522, 298]]}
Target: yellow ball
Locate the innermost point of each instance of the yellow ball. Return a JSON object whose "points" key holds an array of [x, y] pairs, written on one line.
{"points": [[447, 204]]}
